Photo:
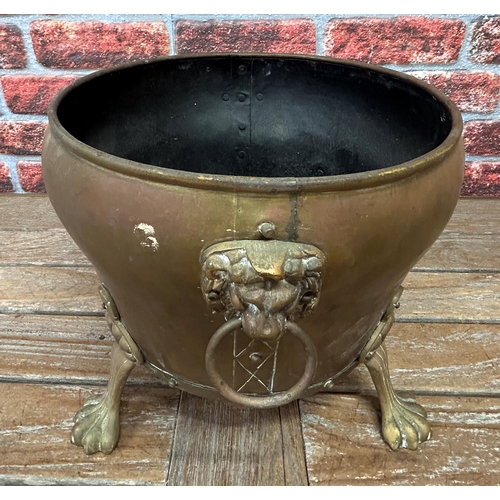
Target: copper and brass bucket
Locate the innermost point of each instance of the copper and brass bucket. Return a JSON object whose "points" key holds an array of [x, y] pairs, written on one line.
{"points": [[252, 218]]}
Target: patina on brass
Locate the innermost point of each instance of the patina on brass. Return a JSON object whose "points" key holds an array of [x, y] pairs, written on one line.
{"points": [[97, 423], [188, 182], [262, 287], [274, 399], [404, 422], [263, 282]]}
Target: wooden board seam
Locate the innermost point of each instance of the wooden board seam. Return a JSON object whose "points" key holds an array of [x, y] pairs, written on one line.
{"points": [[172, 441], [457, 270], [24, 312], [45, 264], [86, 382], [448, 321], [303, 446], [351, 391], [12, 480]]}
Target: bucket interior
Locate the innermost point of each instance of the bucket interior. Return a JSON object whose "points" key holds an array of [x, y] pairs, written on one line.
{"points": [[256, 116]]}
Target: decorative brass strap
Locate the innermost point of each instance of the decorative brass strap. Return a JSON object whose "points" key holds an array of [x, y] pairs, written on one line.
{"points": [[97, 423], [120, 333], [382, 329]]}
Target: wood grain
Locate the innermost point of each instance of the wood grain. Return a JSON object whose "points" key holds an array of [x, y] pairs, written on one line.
{"points": [[46, 247], [451, 297], [424, 357], [35, 424], [32, 234], [27, 212], [59, 349], [431, 358], [344, 445], [454, 252], [216, 445], [469, 241], [435, 297], [59, 290], [54, 247], [445, 349], [475, 216], [294, 460]]}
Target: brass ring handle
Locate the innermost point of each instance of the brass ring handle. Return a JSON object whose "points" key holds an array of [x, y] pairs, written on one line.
{"points": [[260, 402]]}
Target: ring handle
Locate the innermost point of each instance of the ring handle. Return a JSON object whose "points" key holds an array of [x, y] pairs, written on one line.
{"points": [[260, 402]]}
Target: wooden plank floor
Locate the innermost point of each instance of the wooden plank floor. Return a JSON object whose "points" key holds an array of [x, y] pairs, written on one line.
{"points": [[444, 351]]}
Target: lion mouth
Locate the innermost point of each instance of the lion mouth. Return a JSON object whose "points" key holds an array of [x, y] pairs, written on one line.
{"points": [[256, 324]]}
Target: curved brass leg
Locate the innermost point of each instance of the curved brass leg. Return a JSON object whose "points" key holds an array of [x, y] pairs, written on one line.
{"points": [[404, 422], [97, 423]]}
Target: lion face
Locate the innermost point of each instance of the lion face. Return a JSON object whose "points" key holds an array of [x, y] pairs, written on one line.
{"points": [[263, 282]]}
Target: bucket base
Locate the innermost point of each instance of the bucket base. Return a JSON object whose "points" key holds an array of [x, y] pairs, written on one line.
{"points": [[97, 424]]}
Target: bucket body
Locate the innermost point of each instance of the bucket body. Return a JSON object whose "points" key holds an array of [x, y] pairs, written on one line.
{"points": [[188, 236]]}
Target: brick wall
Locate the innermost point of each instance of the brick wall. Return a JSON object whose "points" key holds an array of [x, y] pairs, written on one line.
{"points": [[41, 54]]}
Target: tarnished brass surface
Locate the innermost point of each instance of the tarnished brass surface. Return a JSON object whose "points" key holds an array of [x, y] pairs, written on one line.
{"points": [[404, 422], [144, 227], [370, 237], [97, 423], [274, 399], [120, 333], [261, 286], [264, 282], [382, 328]]}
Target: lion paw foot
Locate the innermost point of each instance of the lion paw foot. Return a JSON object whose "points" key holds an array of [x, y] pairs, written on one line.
{"points": [[97, 426], [405, 424]]}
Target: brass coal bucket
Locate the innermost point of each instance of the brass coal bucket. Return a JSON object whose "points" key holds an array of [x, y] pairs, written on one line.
{"points": [[252, 218]]}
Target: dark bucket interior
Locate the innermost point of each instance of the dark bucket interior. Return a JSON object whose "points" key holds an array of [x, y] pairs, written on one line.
{"points": [[256, 116]]}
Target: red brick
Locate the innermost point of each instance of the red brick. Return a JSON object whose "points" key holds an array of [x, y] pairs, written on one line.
{"points": [[12, 52], [21, 138], [485, 40], [472, 91], [93, 44], [5, 179], [482, 137], [30, 94], [30, 176], [286, 36], [399, 40], [481, 179]]}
